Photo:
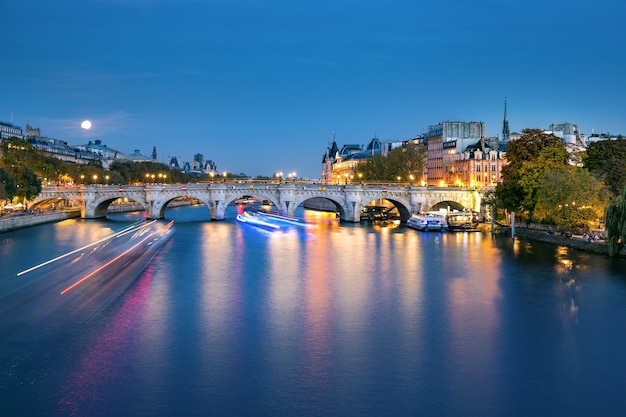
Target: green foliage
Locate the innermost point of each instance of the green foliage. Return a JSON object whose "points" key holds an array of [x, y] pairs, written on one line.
{"points": [[23, 168], [8, 188], [571, 198], [17, 157], [615, 218], [139, 172], [606, 159], [528, 158], [400, 163]]}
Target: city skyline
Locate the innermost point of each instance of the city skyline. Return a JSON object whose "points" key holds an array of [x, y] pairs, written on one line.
{"points": [[262, 88]]}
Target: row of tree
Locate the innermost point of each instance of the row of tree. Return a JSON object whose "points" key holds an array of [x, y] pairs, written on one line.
{"points": [[548, 184], [405, 162], [24, 169]]}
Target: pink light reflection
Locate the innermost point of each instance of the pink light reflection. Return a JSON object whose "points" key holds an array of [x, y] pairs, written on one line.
{"points": [[101, 364]]}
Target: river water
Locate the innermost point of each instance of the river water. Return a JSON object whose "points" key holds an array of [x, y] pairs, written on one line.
{"points": [[341, 320]]}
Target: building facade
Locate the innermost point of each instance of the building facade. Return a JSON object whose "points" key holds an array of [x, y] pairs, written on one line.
{"points": [[9, 130], [443, 142], [478, 166]]}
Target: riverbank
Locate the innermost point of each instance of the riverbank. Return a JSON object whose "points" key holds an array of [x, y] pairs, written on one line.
{"points": [[10, 223], [575, 242]]}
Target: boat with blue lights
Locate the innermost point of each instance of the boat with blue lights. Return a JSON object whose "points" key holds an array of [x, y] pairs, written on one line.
{"points": [[271, 221]]}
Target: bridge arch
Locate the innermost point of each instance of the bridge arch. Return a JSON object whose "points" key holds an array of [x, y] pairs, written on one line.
{"points": [[100, 206], [448, 205], [159, 206], [59, 202], [401, 204], [257, 195], [337, 202]]}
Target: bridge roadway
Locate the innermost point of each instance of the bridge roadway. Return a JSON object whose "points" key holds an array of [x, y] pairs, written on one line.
{"points": [[348, 199]]}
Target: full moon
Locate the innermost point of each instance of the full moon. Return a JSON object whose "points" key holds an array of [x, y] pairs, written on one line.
{"points": [[86, 124]]}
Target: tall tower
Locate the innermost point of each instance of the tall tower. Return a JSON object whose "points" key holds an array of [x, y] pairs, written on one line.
{"points": [[506, 133], [154, 154]]}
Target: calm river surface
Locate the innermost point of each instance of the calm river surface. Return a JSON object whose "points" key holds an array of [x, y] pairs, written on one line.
{"points": [[341, 320]]}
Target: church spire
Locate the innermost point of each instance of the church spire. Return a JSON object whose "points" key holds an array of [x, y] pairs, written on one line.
{"points": [[505, 126]]}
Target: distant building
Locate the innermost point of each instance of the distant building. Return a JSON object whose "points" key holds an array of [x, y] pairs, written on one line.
{"points": [[175, 162], [200, 166], [107, 155], [478, 166], [448, 138], [339, 164], [9, 130], [595, 137], [568, 133], [59, 148], [136, 156], [328, 160], [506, 133]]}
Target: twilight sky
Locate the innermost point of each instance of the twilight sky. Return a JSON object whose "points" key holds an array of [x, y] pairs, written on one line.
{"points": [[260, 86]]}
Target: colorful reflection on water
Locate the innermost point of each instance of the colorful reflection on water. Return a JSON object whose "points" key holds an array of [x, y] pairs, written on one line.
{"points": [[338, 320]]}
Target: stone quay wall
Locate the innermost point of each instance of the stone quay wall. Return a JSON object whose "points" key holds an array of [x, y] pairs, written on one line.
{"points": [[9, 223]]}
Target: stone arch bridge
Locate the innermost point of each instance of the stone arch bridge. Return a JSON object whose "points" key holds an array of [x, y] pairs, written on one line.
{"points": [[349, 200]]}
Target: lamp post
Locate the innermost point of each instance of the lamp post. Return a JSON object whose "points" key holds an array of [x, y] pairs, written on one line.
{"points": [[107, 178], [82, 179], [95, 178]]}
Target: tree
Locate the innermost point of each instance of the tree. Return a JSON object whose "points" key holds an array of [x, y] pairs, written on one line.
{"points": [[404, 162], [615, 218], [17, 157], [606, 159], [372, 169], [528, 157], [132, 172], [571, 197], [8, 187]]}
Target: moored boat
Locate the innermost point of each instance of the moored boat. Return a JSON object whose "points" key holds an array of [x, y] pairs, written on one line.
{"points": [[462, 221], [428, 221]]}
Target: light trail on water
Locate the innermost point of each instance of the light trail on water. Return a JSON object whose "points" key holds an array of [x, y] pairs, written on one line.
{"points": [[118, 257], [122, 232]]}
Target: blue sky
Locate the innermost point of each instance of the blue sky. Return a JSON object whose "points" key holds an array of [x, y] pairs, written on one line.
{"points": [[260, 86]]}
